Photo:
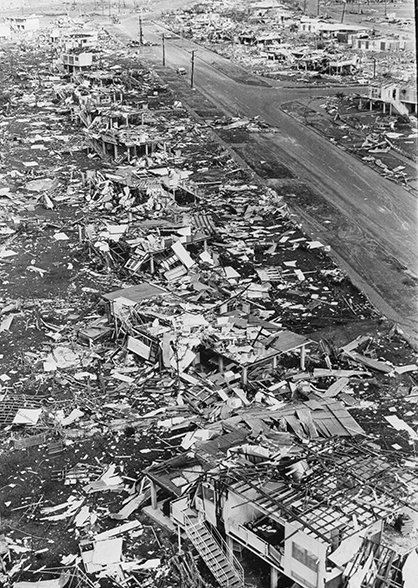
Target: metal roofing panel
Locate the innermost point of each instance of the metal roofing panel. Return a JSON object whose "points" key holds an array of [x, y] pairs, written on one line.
{"points": [[136, 293]]}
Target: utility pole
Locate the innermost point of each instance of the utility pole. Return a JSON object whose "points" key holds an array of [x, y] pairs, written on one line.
{"points": [[317, 8], [163, 50], [343, 12], [192, 72], [140, 28]]}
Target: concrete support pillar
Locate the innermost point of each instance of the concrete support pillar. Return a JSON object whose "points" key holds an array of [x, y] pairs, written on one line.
{"points": [[179, 539], [151, 264], [274, 578], [302, 357], [221, 363], [154, 503], [244, 376], [230, 543]]}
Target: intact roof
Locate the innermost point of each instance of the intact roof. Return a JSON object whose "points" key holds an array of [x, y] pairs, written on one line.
{"points": [[136, 293], [334, 26]]}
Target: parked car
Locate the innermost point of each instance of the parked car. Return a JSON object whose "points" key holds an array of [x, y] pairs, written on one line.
{"points": [[181, 71]]}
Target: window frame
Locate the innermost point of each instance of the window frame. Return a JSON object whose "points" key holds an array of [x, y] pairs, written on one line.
{"points": [[305, 557]]}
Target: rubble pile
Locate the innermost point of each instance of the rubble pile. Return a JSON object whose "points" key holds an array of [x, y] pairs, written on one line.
{"points": [[281, 42], [172, 340]]}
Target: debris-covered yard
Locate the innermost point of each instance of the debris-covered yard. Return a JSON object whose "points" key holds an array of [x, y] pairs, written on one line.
{"points": [[386, 143], [159, 305]]}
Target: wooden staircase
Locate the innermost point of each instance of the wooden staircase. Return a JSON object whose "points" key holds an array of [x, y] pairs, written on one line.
{"points": [[215, 553], [399, 107]]}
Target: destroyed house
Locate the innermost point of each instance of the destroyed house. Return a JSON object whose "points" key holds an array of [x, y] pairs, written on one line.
{"points": [[282, 53], [329, 29], [139, 88], [117, 115], [270, 10], [24, 24], [315, 60], [157, 326], [131, 296], [268, 40], [139, 185], [164, 250], [394, 96], [98, 79], [122, 134], [102, 97], [325, 514], [158, 245], [239, 344], [379, 44], [320, 61], [80, 39], [228, 348], [343, 66], [333, 29], [105, 103], [247, 38], [309, 25], [143, 315], [77, 61]]}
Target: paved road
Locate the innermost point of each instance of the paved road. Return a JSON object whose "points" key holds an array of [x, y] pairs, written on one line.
{"points": [[375, 235]]}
